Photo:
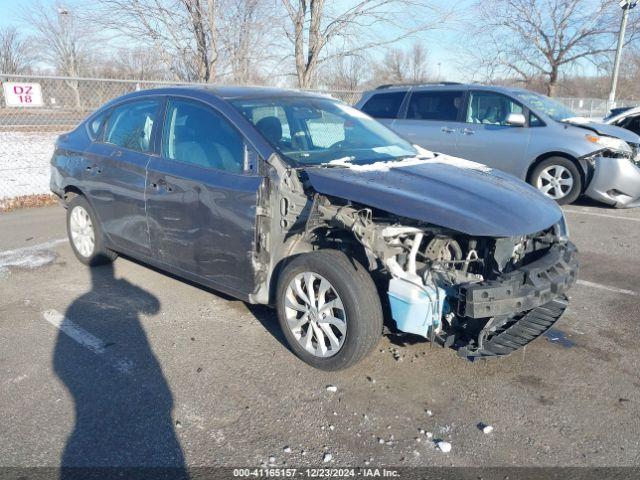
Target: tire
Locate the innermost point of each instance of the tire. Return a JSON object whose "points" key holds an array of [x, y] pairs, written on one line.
{"points": [[352, 298], [92, 253], [548, 177]]}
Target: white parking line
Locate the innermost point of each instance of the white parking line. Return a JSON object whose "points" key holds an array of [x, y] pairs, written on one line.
{"points": [[605, 215], [87, 340], [585, 283]]}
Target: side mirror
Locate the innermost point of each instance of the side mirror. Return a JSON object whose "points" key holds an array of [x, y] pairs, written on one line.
{"points": [[516, 120]]}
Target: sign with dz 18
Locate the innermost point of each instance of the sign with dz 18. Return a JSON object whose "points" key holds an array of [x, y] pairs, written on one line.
{"points": [[18, 94]]}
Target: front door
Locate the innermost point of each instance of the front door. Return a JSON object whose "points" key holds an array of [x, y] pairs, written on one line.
{"points": [[201, 199], [116, 172], [487, 138]]}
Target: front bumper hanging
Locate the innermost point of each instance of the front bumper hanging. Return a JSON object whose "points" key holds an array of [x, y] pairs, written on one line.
{"points": [[521, 305], [528, 287]]}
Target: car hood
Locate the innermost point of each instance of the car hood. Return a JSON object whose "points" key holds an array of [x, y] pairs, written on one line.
{"points": [[606, 129], [444, 191]]}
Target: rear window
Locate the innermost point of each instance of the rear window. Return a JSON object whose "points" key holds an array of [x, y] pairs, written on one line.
{"points": [[95, 124], [384, 105], [130, 125], [435, 105]]}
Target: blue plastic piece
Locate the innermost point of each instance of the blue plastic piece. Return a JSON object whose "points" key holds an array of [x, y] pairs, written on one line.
{"points": [[416, 309]]}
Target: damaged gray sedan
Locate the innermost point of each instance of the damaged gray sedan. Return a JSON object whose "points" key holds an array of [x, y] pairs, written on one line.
{"points": [[299, 201]]}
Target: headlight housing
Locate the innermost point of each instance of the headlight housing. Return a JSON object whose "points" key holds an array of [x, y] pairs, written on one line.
{"points": [[612, 143], [561, 229]]}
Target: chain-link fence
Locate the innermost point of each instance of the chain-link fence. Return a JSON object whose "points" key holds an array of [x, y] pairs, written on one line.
{"points": [[34, 110], [595, 108]]}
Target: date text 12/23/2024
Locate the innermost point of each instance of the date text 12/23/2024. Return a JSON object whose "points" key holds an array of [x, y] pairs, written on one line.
{"points": [[314, 472]]}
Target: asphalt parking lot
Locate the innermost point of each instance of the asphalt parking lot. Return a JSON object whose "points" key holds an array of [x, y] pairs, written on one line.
{"points": [[127, 366]]}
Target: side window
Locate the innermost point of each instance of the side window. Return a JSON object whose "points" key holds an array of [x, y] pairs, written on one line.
{"points": [[384, 105], [435, 105], [491, 108], [95, 124], [131, 124], [194, 133]]}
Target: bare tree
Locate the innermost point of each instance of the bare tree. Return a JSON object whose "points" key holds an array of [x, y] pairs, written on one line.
{"points": [[184, 32], [315, 26], [135, 63], [14, 51], [345, 73], [247, 43], [542, 38], [400, 66], [61, 40]]}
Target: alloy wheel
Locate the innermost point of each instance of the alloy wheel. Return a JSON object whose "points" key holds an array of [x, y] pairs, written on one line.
{"points": [[555, 181], [315, 314], [82, 233]]}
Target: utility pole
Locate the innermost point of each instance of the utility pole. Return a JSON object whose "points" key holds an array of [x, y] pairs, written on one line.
{"points": [[626, 5]]}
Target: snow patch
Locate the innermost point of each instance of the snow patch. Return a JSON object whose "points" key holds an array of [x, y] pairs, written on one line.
{"points": [[424, 157], [25, 162], [32, 257]]}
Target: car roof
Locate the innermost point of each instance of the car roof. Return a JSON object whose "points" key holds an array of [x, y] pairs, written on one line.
{"points": [[225, 92], [418, 87]]}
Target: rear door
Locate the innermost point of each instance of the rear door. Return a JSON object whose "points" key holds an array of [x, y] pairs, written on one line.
{"points": [[485, 137], [433, 119], [202, 194], [115, 177]]}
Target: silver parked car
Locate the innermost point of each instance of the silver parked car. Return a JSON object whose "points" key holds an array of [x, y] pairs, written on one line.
{"points": [[518, 131]]}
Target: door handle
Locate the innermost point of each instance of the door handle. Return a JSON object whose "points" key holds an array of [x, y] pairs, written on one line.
{"points": [[116, 153], [91, 167], [468, 131], [447, 130]]}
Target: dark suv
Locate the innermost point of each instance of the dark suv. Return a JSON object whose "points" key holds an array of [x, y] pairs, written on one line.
{"points": [[302, 202]]}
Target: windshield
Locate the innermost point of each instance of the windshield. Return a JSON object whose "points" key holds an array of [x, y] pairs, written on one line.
{"points": [[314, 131], [546, 105]]}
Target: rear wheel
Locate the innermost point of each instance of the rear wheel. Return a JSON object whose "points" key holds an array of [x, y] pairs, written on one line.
{"points": [[558, 178], [85, 234], [328, 309]]}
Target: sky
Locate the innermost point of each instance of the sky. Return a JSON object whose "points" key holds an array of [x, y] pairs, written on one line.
{"points": [[438, 43], [443, 44]]}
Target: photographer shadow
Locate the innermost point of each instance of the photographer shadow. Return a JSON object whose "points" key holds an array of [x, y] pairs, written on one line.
{"points": [[123, 403]]}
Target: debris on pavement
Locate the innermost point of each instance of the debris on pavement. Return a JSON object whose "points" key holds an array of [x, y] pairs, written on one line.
{"points": [[444, 447], [327, 457], [332, 388], [286, 449], [487, 429]]}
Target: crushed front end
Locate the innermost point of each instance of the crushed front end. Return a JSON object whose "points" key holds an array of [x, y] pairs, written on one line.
{"points": [[482, 296], [615, 177]]}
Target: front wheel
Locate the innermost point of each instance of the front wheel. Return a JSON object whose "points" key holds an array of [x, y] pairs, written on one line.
{"points": [[328, 309], [558, 178]]}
